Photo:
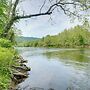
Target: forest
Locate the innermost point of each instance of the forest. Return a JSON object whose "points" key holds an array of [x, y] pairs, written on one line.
{"points": [[78, 36]]}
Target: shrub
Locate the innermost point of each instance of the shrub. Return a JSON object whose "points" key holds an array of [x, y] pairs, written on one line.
{"points": [[5, 43], [6, 61]]}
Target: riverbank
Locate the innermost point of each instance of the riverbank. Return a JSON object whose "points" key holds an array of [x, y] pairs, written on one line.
{"points": [[19, 72], [76, 37], [12, 69]]}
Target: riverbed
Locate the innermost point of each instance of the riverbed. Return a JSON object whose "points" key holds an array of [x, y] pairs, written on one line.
{"points": [[56, 69]]}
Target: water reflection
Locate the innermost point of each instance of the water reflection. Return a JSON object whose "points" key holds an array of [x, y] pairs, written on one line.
{"points": [[57, 69], [78, 57]]}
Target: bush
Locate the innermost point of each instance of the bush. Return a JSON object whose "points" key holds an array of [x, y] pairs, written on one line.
{"points": [[5, 43], [6, 61]]}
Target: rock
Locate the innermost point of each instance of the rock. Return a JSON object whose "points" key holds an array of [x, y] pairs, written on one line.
{"points": [[12, 88], [23, 61], [21, 64], [23, 67], [20, 75]]}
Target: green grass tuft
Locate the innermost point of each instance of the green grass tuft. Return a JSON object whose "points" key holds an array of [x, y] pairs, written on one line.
{"points": [[6, 61]]}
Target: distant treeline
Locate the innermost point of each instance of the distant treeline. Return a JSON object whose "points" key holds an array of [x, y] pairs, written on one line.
{"points": [[79, 36]]}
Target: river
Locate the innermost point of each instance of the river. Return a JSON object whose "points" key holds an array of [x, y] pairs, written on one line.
{"points": [[56, 69]]}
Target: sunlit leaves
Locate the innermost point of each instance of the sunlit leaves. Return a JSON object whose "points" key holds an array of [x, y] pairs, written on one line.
{"points": [[79, 36], [3, 17]]}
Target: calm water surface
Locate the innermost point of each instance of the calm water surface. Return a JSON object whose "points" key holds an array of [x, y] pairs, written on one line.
{"points": [[56, 69]]}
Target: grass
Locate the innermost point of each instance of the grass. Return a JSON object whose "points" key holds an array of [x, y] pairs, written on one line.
{"points": [[6, 61]]}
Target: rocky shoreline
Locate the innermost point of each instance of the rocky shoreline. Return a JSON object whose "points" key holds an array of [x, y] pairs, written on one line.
{"points": [[19, 72]]}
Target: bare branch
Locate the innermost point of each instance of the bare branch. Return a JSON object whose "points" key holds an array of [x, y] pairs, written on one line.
{"points": [[32, 15], [66, 11], [48, 12], [61, 4], [63, 9], [42, 6]]}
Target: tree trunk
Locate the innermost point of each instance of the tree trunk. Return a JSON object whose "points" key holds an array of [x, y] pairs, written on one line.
{"points": [[8, 27]]}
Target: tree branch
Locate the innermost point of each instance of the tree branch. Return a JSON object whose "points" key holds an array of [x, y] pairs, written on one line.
{"points": [[42, 6], [32, 15], [49, 11], [59, 3]]}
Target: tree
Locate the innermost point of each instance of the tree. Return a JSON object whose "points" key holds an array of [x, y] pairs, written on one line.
{"points": [[3, 17], [65, 5], [81, 40]]}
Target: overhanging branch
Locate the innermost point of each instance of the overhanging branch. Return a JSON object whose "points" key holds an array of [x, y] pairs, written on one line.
{"points": [[32, 15], [48, 12], [61, 4]]}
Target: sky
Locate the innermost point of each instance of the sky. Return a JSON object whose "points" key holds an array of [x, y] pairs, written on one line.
{"points": [[43, 25]]}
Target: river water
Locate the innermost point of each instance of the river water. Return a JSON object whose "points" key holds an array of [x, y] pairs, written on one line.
{"points": [[56, 69]]}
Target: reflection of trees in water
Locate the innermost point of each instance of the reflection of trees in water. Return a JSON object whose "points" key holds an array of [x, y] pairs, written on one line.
{"points": [[78, 59], [73, 57]]}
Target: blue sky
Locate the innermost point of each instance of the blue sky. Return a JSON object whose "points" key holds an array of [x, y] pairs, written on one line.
{"points": [[43, 25]]}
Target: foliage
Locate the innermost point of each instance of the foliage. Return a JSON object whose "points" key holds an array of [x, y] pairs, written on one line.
{"points": [[7, 53], [4, 19], [11, 13], [6, 61], [3, 16], [5, 43], [73, 37]]}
